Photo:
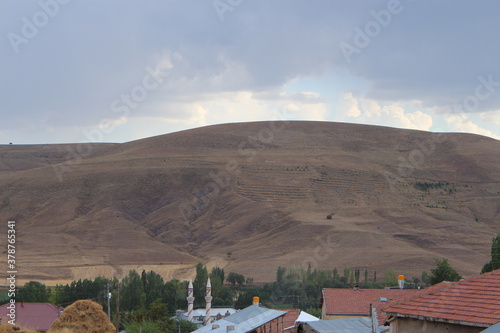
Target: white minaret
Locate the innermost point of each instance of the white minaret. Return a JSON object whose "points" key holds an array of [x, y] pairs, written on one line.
{"points": [[208, 299], [190, 300]]}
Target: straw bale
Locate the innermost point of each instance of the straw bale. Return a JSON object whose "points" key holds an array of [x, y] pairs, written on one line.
{"points": [[83, 316]]}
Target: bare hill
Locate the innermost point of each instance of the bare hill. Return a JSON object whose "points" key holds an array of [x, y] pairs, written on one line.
{"points": [[251, 197]]}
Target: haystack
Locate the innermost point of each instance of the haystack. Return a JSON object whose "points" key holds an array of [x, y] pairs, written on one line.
{"points": [[83, 316]]}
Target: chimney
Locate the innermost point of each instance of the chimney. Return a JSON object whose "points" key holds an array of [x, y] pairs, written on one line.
{"points": [[256, 301], [215, 326], [401, 281], [229, 328]]}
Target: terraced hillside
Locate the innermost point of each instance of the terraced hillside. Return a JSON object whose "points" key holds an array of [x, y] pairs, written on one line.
{"points": [[253, 196]]}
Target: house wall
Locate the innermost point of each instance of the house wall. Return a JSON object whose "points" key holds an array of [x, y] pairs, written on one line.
{"points": [[274, 326], [407, 325], [323, 311]]}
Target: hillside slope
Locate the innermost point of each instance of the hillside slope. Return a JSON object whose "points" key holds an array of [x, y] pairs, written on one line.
{"points": [[251, 197]]}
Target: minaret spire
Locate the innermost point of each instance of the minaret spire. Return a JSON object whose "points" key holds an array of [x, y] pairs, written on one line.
{"points": [[208, 299], [190, 300]]}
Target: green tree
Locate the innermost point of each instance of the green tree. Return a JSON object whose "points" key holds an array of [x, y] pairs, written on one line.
{"points": [[153, 286], [357, 274], [316, 312], [347, 273], [185, 326], [426, 278], [158, 312], [217, 281], [132, 295], [145, 326], [34, 291], [443, 272], [280, 275], [217, 272], [246, 297], [335, 273], [495, 256], [390, 277], [226, 297], [235, 278], [170, 297], [200, 284]]}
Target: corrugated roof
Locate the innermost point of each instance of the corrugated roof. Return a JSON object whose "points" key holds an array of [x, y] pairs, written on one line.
{"points": [[243, 321], [35, 316], [213, 313], [492, 329], [475, 301], [349, 325]]}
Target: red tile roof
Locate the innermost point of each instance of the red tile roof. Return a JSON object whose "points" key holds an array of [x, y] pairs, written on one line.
{"points": [[475, 301], [35, 316], [356, 302]]}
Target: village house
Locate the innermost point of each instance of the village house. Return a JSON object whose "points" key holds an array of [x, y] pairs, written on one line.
{"points": [[342, 303], [255, 319], [348, 325], [35, 316], [470, 305]]}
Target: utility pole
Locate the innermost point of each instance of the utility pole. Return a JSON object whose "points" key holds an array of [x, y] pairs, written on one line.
{"points": [[117, 319], [108, 296]]}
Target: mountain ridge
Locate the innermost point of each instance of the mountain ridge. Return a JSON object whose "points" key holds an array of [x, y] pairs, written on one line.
{"points": [[254, 196]]}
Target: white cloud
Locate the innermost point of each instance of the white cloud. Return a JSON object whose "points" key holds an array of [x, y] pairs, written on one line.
{"points": [[461, 123], [369, 111], [491, 117], [349, 105], [216, 108]]}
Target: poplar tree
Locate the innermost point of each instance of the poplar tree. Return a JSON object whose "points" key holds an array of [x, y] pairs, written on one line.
{"points": [[495, 256]]}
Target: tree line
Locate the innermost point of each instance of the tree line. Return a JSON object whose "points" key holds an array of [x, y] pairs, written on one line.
{"points": [[145, 298]]}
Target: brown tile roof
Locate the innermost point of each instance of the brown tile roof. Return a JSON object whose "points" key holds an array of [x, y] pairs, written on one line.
{"points": [[356, 302], [475, 301], [35, 316]]}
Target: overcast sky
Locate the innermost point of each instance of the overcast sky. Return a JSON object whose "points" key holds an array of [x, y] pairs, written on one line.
{"points": [[116, 71]]}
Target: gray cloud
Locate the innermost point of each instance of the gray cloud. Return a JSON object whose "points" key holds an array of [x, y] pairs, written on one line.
{"points": [[90, 53]]}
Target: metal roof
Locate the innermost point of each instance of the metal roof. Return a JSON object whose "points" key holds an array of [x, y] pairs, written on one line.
{"points": [[243, 321], [349, 325], [214, 311], [493, 329]]}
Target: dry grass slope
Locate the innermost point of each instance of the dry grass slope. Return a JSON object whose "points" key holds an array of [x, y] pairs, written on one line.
{"points": [[260, 191]]}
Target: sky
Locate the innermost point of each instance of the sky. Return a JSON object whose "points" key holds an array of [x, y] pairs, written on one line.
{"points": [[76, 71]]}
